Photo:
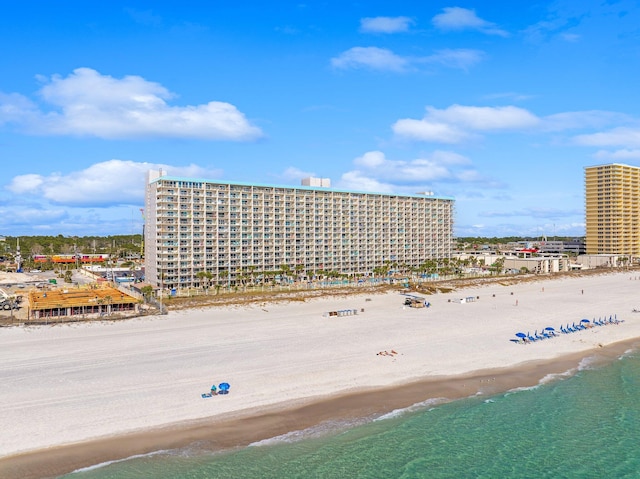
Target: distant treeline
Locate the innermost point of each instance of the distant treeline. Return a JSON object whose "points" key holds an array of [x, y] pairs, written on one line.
{"points": [[119, 246], [511, 239], [131, 244]]}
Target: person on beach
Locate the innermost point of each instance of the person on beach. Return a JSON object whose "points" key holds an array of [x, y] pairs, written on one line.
{"points": [[214, 391]]}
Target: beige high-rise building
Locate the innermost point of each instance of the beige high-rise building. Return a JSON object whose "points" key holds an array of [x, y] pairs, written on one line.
{"points": [[612, 206], [230, 229]]}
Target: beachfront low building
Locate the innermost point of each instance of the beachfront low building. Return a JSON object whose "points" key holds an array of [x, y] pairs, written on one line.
{"points": [[514, 262], [196, 228], [80, 303], [590, 261], [538, 264]]}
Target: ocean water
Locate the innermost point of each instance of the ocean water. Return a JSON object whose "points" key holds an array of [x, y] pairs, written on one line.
{"points": [[580, 425]]}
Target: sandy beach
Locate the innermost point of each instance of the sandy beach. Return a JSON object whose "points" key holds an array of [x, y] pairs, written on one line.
{"points": [[81, 394]]}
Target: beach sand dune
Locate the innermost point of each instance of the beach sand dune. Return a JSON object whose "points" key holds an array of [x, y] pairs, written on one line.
{"points": [[72, 384]]}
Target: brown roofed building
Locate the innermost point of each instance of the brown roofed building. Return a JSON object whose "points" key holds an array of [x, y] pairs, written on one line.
{"points": [[80, 303]]}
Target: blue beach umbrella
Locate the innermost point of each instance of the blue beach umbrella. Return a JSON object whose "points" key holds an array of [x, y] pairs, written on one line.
{"points": [[549, 328], [224, 386], [585, 321], [521, 335]]}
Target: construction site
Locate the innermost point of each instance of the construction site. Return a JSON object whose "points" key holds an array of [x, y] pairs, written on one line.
{"points": [[26, 300], [79, 303]]}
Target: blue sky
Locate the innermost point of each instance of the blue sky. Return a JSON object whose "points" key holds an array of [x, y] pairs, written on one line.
{"points": [[500, 104]]}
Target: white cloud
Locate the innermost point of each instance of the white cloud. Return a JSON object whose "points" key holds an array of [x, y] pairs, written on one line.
{"points": [[356, 181], [370, 159], [15, 108], [457, 18], [385, 24], [583, 119], [622, 136], [460, 58], [421, 169], [383, 59], [113, 182], [295, 174], [30, 216], [458, 123], [26, 183], [449, 158], [375, 170], [87, 103], [624, 154], [370, 57], [533, 212], [570, 37], [426, 130], [513, 96], [469, 176], [484, 118]]}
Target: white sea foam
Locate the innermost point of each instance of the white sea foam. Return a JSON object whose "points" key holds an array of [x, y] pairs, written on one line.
{"points": [[590, 362], [522, 389], [320, 430], [429, 403], [550, 378], [629, 353], [115, 461]]}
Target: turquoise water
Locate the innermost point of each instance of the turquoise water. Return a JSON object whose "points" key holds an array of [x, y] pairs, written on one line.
{"points": [[586, 425]]}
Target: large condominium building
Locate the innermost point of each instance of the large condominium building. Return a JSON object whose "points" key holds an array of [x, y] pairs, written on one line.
{"points": [[231, 229], [612, 196]]}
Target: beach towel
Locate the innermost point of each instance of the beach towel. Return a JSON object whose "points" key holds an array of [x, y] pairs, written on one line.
{"points": [[206, 395]]}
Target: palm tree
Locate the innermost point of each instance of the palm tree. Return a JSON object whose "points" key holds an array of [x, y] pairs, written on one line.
{"points": [[285, 270], [205, 277], [252, 274], [299, 269], [226, 274], [146, 291], [108, 300], [497, 266]]}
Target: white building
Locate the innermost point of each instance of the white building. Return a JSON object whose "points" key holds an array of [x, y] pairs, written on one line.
{"points": [[229, 229]]}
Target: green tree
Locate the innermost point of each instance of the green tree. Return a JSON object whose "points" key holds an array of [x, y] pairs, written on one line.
{"points": [[146, 291], [205, 277]]}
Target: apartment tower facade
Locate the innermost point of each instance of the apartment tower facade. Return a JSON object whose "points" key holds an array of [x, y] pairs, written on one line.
{"points": [[612, 209], [229, 229]]}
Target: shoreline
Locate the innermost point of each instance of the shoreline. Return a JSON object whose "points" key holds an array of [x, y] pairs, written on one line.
{"points": [[217, 434], [79, 395]]}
